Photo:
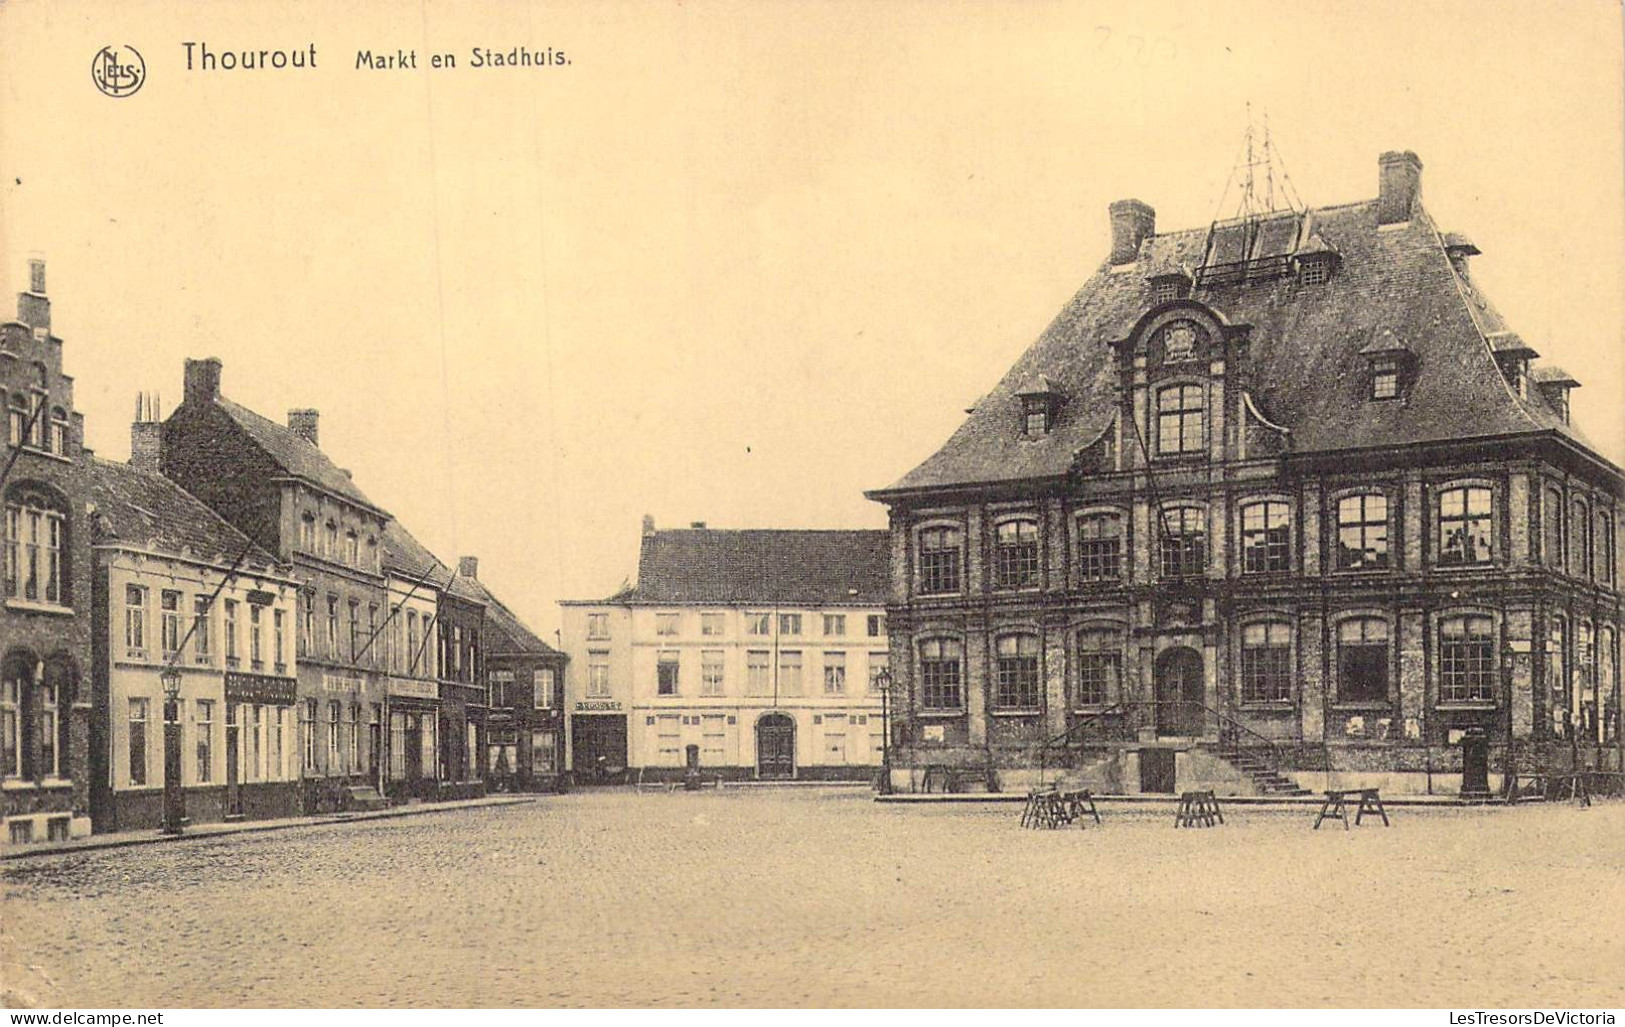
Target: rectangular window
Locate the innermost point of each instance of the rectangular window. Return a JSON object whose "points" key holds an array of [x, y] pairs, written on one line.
{"points": [[1100, 547], [789, 672], [1464, 526], [1016, 687], [597, 675], [201, 643], [834, 673], [333, 626], [308, 734], [140, 711], [879, 663], [335, 756], [1184, 542], [1362, 532], [1362, 660], [203, 728], [711, 664], [1315, 272], [280, 633], [1605, 548], [939, 561], [666, 680], [789, 623], [1015, 554], [307, 626], [759, 624], [135, 619], [1266, 538], [497, 688], [169, 621], [877, 625], [355, 630], [1266, 663], [307, 533], [541, 752], [369, 644], [713, 740], [758, 672], [667, 623], [256, 636], [1466, 659], [397, 745], [1551, 518], [1100, 667], [834, 625], [941, 670], [1384, 378], [1579, 540], [542, 686], [277, 769], [11, 747], [711, 625], [34, 537], [1179, 420], [352, 726], [49, 765], [597, 625]]}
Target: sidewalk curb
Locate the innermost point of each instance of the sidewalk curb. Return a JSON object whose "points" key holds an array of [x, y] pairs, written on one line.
{"points": [[1414, 802], [315, 820]]}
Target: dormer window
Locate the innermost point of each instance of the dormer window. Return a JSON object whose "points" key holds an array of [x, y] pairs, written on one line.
{"points": [[1316, 260], [1389, 363], [1512, 356], [1039, 403], [1315, 272], [1385, 378], [1554, 384], [1169, 282], [1165, 291]]}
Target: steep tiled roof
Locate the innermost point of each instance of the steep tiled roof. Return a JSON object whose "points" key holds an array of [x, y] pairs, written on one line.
{"points": [[405, 554], [808, 568], [149, 510], [1304, 354], [295, 455], [504, 631]]}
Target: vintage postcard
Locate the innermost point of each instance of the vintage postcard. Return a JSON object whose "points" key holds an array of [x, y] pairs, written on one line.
{"points": [[811, 505]]}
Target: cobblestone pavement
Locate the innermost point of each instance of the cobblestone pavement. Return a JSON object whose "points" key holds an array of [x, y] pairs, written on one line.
{"points": [[825, 898]]}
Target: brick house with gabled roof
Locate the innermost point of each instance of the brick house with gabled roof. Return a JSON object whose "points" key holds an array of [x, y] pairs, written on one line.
{"points": [[1288, 505], [757, 648]]}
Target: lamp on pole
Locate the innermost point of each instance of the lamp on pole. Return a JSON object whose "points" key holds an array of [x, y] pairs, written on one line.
{"points": [[174, 807], [883, 686]]}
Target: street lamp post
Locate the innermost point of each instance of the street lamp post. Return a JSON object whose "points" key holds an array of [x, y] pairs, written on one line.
{"points": [[174, 804], [883, 686]]}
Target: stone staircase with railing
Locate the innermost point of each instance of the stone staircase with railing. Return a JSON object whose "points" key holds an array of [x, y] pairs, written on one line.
{"points": [[1257, 768]]}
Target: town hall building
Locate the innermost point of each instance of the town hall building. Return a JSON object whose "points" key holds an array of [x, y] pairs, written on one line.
{"points": [[1272, 503]]}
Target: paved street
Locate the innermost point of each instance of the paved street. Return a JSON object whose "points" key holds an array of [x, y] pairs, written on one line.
{"points": [[775, 897]]}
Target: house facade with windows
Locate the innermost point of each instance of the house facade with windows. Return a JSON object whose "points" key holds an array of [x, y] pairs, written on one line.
{"points": [[45, 608], [757, 649], [176, 586], [524, 678], [275, 485], [1271, 503], [412, 713]]}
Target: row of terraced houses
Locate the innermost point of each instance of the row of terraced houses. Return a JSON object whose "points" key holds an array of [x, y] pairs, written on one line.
{"points": [[326, 659]]}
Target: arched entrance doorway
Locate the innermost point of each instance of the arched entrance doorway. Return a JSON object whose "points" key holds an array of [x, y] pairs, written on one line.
{"points": [[775, 746], [1179, 693]]}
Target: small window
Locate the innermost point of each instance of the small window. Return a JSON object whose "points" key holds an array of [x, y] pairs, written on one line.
{"points": [[1464, 526], [1100, 547], [1015, 556], [1552, 528], [789, 623], [597, 625], [1037, 421], [711, 672], [1166, 290], [877, 625], [1266, 663], [711, 625], [1466, 659], [1385, 378], [834, 625], [667, 623], [1315, 272], [834, 673], [1266, 538], [666, 674], [759, 624], [1579, 539]]}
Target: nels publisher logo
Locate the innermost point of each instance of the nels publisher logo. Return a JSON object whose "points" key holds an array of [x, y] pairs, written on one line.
{"points": [[118, 70]]}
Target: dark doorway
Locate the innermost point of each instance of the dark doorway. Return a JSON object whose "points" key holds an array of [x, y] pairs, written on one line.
{"points": [[597, 747], [1157, 771], [234, 792], [775, 746], [1179, 693]]}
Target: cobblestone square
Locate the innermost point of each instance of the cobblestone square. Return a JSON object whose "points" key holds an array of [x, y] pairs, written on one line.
{"points": [[821, 897]]}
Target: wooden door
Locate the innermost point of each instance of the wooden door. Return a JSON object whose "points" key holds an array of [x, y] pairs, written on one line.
{"points": [[1179, 693], [776, 746]]}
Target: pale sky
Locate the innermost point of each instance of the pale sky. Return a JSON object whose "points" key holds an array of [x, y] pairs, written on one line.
{"points": [[735, 262]]}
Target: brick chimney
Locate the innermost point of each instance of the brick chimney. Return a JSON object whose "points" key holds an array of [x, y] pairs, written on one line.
{"points": [[1399, 186], [648, 525], [697, 525], [203, 380], [303, 424], [1133, 222], [33, 306], [147, 436], [469, 567]]}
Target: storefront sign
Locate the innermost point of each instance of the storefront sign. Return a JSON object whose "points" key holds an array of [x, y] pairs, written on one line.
{"points": [[414, 688], [599, 706], [340, 684], [259, 688]]}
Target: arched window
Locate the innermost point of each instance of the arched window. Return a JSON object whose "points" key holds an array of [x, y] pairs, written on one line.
{"points": [[307, 533], [1362, 660], [1557, 682], [1266, 537], [15, 674], [331, 540], [1179, 420], [1266, 662], [1551, 516], [1602, 551], [33, 696], [1016, 682], [1100, 667], [372, 553], [1100, 547], [1585, 678], [1015, 553], [940, 557], [36, 536], [1579, 539], [1184, 541], [1464, 526], [17, 418], [942, 662], [352, 549], [1362, 532], [59, 431], [1466, 659], [1607, 681]]}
